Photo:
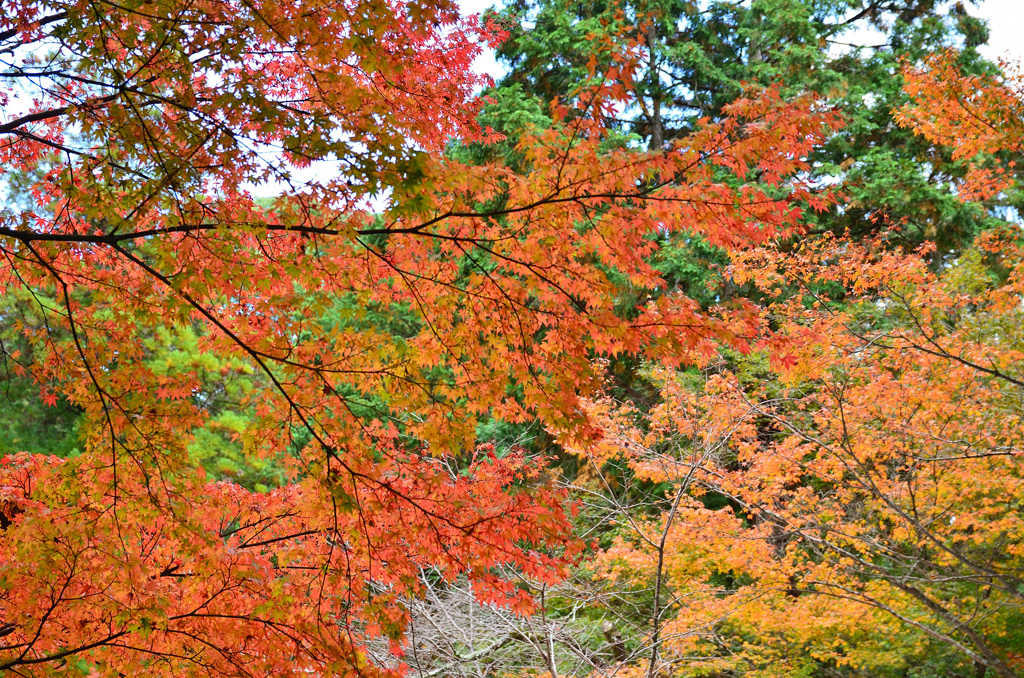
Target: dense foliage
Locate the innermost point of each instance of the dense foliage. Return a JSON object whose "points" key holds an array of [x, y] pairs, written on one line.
{"points": [[691, 347]]}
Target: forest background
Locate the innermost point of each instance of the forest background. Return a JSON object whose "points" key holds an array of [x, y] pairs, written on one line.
{"points": [[690, 347]]}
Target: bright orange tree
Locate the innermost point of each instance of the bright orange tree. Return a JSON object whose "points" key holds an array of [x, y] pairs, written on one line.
{"points": [[850, 499], [854, 503], [141, 128], [979, 116]]}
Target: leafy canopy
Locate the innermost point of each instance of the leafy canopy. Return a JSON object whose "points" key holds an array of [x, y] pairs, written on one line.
{"points": [[146, 264]]}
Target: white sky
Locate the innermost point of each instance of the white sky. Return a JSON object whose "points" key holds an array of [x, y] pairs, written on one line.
{"points": [[1005, 21], [1005, 24]]}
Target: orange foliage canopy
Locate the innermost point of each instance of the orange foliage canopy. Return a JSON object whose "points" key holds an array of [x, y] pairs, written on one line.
{"points": [[874, 479], [142, 132], [870, 461], [977, 116], [872, 475]]}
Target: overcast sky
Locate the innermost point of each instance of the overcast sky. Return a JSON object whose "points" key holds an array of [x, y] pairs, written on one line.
{"points": [[1005, 22]]}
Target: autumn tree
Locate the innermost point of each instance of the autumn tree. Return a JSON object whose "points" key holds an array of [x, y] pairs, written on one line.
{"points": [[868, 458], [844, 500], [979, 116], [143, 131]]}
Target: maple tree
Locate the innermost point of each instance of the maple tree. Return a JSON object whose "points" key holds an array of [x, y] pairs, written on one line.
{"points": [[857, 481], [847, 499], [863, 485], [978, 115], [142, 132]]}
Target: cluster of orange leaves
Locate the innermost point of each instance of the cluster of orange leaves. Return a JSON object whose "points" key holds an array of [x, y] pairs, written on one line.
{"points": [[977, 116], [874, 479], [871, 463]]}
